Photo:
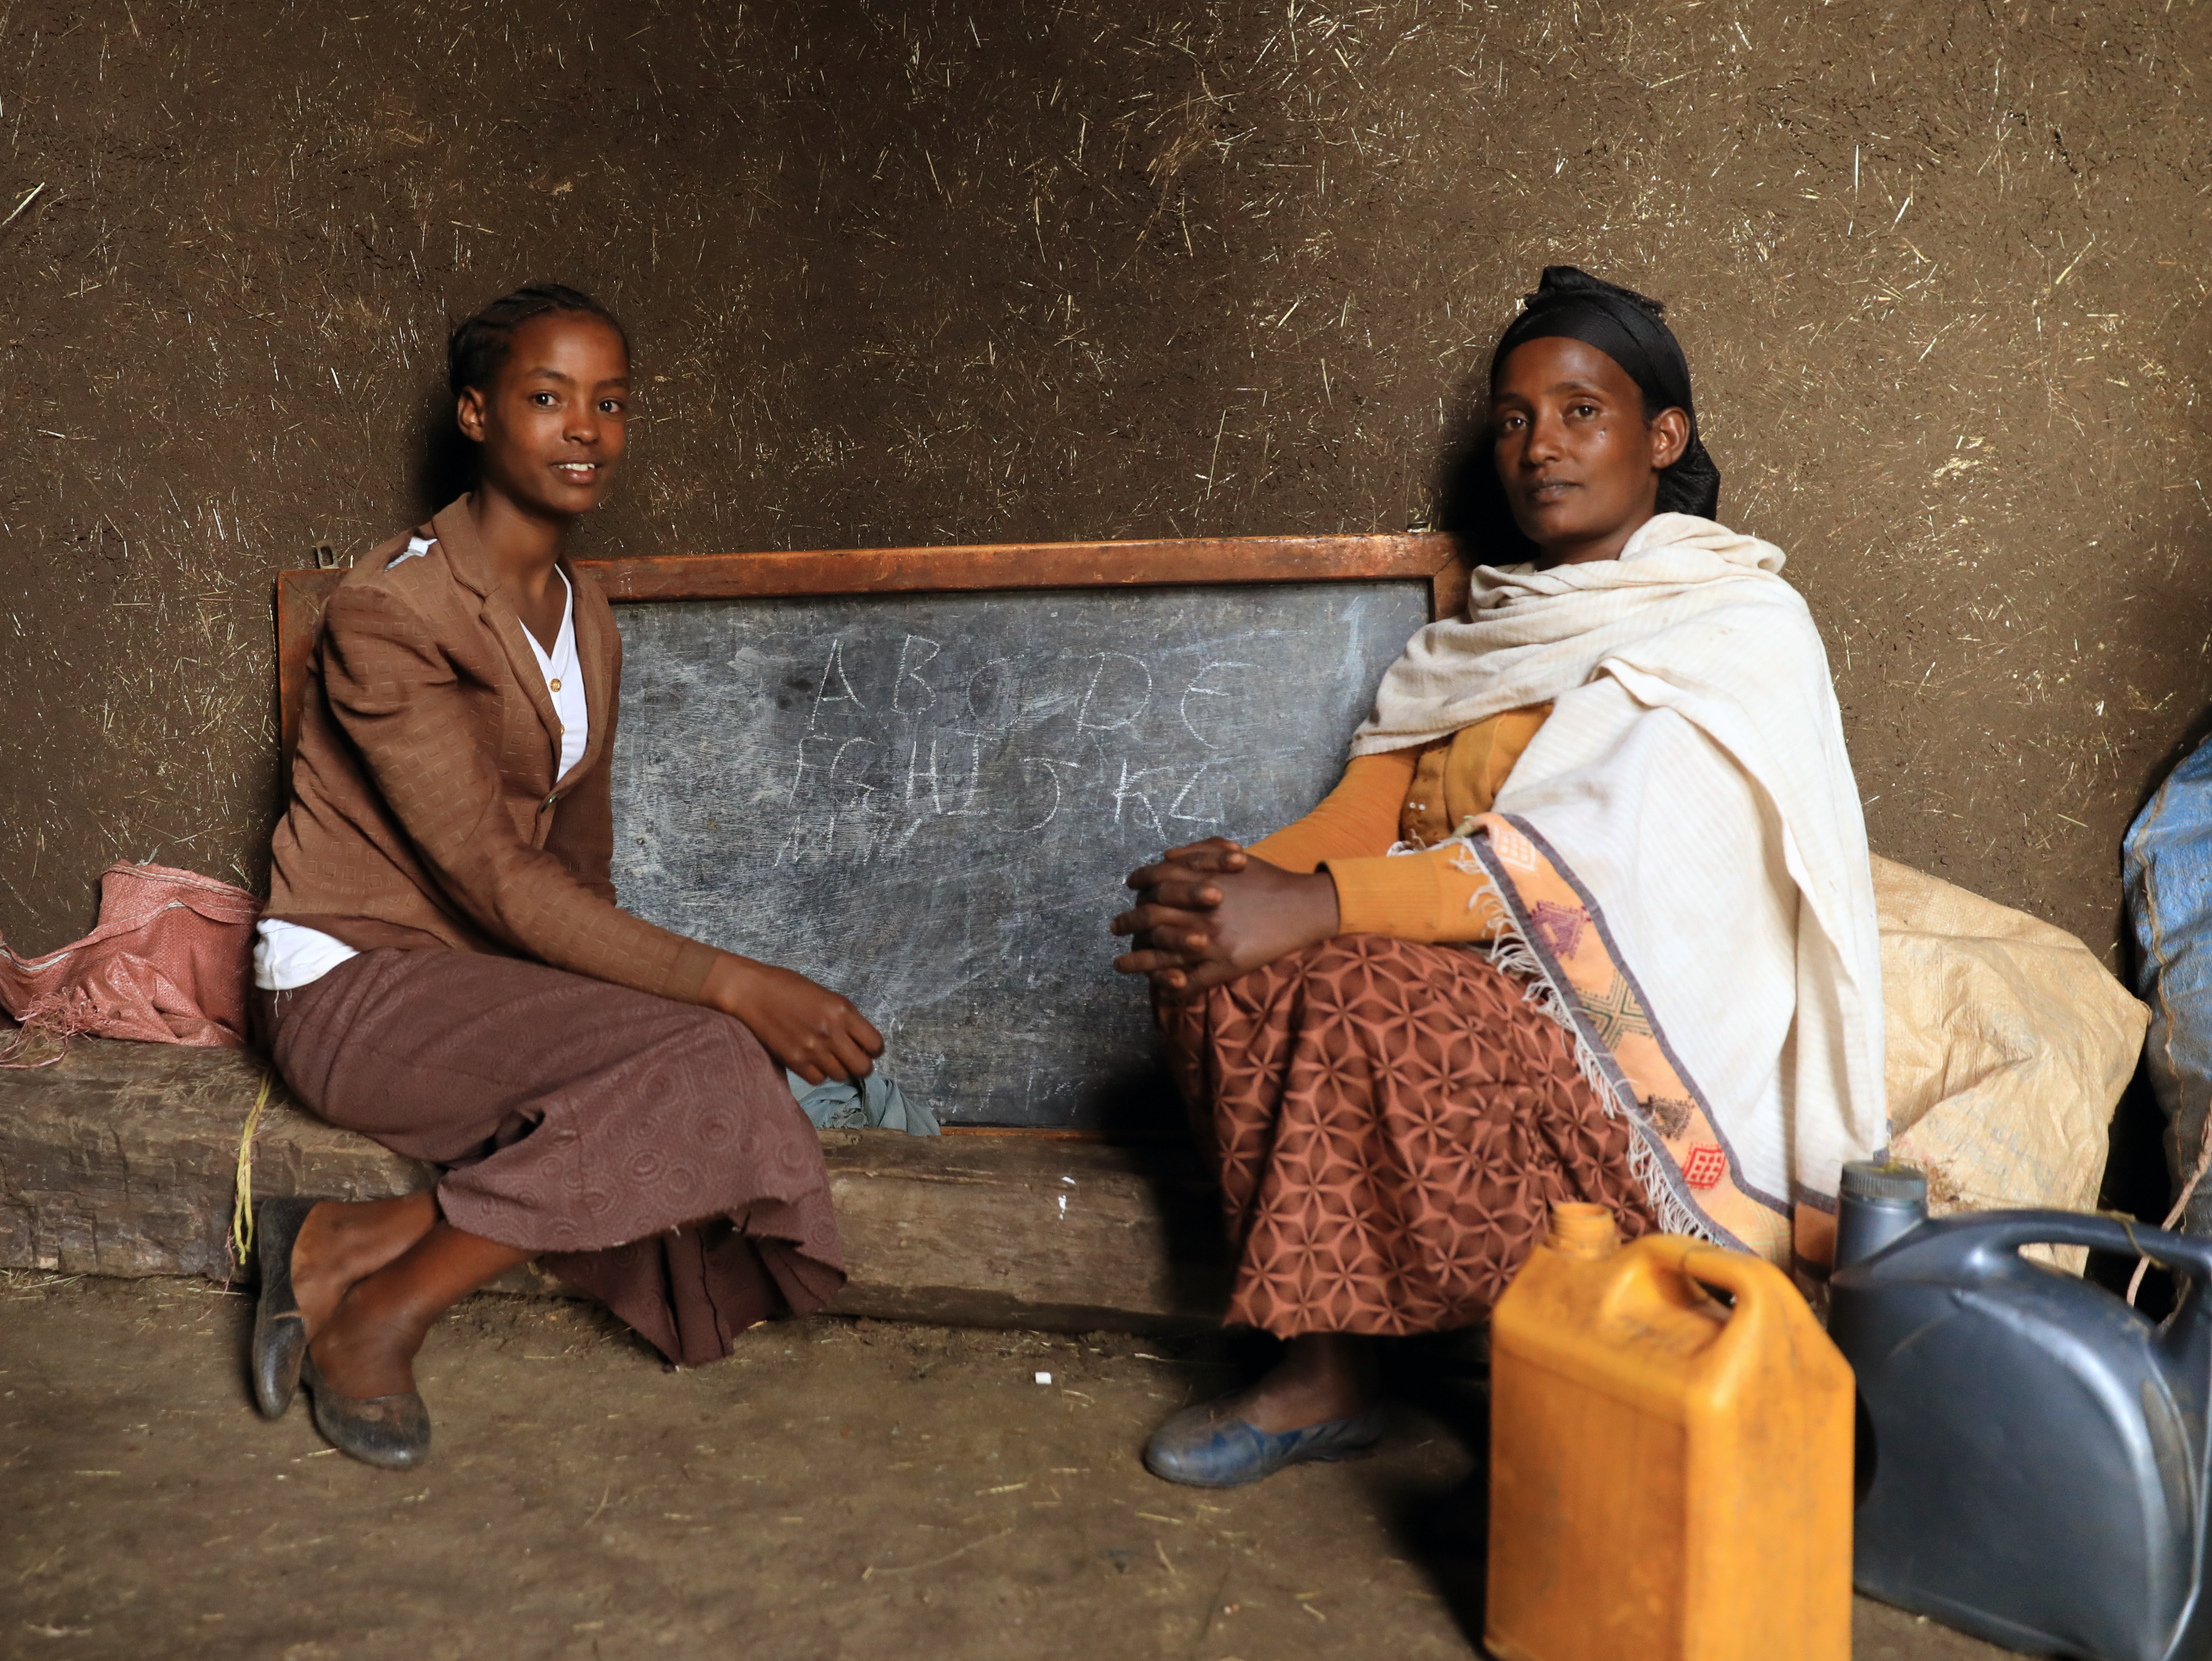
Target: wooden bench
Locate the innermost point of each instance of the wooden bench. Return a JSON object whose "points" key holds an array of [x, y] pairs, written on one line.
{"points": [[121, 1160]]}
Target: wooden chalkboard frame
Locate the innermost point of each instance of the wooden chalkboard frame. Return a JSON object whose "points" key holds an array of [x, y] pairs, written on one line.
{"points": [[1427, 556]]}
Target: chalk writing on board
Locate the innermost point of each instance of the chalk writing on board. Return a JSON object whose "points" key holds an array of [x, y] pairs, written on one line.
{"points": [[929, 802], [872, 769]]}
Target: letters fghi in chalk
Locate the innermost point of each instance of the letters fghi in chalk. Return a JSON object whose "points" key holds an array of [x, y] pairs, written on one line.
{"points": [[899, 733]]}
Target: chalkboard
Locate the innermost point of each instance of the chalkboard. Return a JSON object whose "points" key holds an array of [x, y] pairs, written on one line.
{"points": [[929, 800]]}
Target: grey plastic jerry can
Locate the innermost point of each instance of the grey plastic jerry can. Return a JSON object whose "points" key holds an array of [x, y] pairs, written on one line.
{"points": [[2033, 1457]]}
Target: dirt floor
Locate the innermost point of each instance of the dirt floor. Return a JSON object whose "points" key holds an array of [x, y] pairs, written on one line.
{"points": [[838, 1489], [985, 270], [956, 272]]}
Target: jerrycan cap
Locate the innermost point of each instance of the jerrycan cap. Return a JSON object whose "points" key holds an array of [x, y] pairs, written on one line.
{"points": [[1885, 1182], [1579, 1230]]}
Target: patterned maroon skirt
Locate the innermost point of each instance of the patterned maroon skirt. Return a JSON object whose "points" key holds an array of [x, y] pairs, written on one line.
{"points": [[649, 1150], [1393, 1123]]}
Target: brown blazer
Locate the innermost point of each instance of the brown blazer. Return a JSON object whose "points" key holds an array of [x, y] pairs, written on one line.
{"points": [[424, 811]]}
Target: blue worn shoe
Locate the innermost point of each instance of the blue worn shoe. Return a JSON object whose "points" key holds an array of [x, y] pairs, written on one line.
{"points": [[1208, 1447]]}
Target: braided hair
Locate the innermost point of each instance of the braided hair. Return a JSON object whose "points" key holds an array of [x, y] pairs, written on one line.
{"points": [[478, 346]]}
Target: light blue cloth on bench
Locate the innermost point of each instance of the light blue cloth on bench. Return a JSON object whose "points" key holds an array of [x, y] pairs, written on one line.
{"points": [[876, 1104]]}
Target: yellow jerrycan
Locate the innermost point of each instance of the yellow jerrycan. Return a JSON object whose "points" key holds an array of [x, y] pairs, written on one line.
{"points": [[1670, 1476]]}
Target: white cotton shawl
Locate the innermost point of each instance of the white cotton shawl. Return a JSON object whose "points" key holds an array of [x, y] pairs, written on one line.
{"points": [[1694, 776]]}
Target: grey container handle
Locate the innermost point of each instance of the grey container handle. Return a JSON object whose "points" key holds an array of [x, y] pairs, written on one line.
{"points": [[1956, 1238]]}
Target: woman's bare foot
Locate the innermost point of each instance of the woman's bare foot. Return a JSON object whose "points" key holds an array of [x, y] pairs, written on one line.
{"points": [[343, 1241], [1321, 1376], [368, 1346]]}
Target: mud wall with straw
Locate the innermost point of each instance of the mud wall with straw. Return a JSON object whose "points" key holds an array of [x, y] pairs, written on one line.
{"points": [[962, 271]]}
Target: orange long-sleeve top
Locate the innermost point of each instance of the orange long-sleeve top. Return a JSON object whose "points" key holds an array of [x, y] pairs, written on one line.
{"points": [[1419, 795]]}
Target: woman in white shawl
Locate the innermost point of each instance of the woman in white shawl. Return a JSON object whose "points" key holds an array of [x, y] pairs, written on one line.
{"points": [[1623, 773]]}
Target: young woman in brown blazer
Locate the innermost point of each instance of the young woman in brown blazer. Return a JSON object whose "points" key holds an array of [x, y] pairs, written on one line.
{"points": [[443, 967]]}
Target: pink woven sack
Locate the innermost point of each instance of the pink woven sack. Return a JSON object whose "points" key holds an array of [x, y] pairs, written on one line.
{"points": [[170, 963]]}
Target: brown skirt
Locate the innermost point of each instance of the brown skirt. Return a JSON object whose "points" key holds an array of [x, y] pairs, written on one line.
{"points": [[1393, 1123], [650, 1151]]}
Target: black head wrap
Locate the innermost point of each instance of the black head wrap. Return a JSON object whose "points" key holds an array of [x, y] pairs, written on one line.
{"points": [[1632, 330]]}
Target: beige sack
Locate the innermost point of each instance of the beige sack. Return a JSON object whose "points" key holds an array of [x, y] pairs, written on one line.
{"points": [[2009, 1044]]}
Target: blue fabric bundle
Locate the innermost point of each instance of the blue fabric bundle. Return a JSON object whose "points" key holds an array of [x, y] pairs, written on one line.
{"points": [[875, 1103], [2166, 862]]}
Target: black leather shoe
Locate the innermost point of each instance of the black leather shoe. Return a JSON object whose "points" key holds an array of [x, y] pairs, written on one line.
{"points": [[393, 1431], [280, 1332]]}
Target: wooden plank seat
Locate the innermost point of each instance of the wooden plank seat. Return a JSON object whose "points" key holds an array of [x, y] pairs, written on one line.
{"points": [[121, 1161]]}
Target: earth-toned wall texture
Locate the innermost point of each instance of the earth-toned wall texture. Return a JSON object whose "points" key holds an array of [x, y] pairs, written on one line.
{"points": [[945, 272]]}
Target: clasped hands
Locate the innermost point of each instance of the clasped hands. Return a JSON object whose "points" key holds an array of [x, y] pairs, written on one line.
{"points": [[1210, 911], [1205, 914]]}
